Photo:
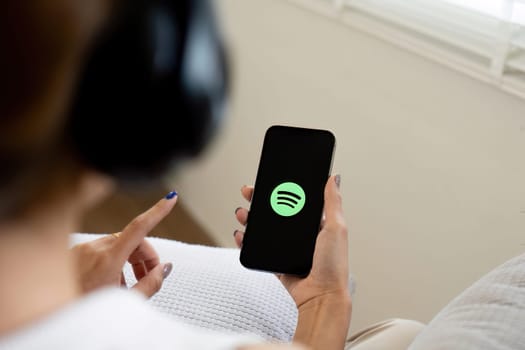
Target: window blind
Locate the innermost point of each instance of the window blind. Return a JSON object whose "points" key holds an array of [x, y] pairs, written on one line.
{"points": [[483, 38]]}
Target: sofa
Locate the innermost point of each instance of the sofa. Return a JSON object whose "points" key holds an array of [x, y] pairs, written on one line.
{"points": [[208, 288]]}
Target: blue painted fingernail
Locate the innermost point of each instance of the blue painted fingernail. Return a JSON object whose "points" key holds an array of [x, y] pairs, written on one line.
{"points": [[338, 180], [171, 195]]}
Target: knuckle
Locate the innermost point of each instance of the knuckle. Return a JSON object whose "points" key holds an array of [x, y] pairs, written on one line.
{"points": [[156, 283], [86, 249], [341, 223], [337, 225], [330, 227]]}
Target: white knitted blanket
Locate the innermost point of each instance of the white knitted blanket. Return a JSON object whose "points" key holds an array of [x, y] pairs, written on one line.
{"points": [[209, 288]]}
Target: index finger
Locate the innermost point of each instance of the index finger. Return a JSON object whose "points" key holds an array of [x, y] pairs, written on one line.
{"points": [[132, 236]]}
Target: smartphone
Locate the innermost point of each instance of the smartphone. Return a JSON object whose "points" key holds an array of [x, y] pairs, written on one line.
{"points": [[287, 204]]}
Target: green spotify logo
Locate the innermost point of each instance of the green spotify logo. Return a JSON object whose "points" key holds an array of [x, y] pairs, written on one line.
{"points": [[287, 199]]}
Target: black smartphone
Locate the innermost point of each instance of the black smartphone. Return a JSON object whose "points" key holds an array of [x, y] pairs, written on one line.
{"points": [[288, 199]]}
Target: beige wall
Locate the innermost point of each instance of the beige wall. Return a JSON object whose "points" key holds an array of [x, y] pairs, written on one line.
{"points": [[432, 162]]}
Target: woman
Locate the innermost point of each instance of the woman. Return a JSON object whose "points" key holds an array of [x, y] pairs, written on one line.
{"points": [[55, 298]]}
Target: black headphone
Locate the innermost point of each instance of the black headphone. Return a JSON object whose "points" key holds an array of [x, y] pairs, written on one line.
{"points": [[153, 88]]}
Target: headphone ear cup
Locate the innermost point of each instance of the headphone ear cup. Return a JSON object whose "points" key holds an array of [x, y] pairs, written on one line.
{"points": [[143, 101], [204, 71]]}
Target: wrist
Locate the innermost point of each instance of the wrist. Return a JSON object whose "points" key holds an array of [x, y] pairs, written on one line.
{"points": [[324, 320], [339, 299]]}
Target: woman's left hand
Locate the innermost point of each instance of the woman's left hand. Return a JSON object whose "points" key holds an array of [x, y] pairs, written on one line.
{"points": [[100, 262]]}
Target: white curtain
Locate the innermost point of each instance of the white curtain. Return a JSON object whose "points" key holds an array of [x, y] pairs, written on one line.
{"points": [[505, 10]]}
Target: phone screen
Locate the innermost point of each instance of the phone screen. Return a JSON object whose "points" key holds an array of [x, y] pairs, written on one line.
{"points": [[288, 200]]}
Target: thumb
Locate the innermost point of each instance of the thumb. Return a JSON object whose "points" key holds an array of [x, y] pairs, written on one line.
{"points": [[332, 199], [152, 281]]}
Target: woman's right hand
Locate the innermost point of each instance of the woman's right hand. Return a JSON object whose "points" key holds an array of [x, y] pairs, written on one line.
{"points": [[100, 262]]}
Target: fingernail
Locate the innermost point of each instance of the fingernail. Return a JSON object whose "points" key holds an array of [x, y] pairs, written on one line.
{"points": [[171, 195], [167, 270], [338, 180], [234, 233], [236, 210]]}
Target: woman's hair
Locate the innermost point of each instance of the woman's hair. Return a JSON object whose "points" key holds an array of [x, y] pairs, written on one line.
{"points": [[41, 42], [163, 60]]}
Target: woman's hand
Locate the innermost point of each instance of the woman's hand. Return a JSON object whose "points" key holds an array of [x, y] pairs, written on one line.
{"points": [[100, 262], [322, 298], [329, 274]]}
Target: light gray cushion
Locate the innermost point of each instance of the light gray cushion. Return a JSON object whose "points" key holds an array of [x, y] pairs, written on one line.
{"points": [[488, 315]]}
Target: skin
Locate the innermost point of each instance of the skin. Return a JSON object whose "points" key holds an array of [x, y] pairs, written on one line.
{"points": [[329, 274], [43, 274], [322, 298], [55, 276], [99, 263]]}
